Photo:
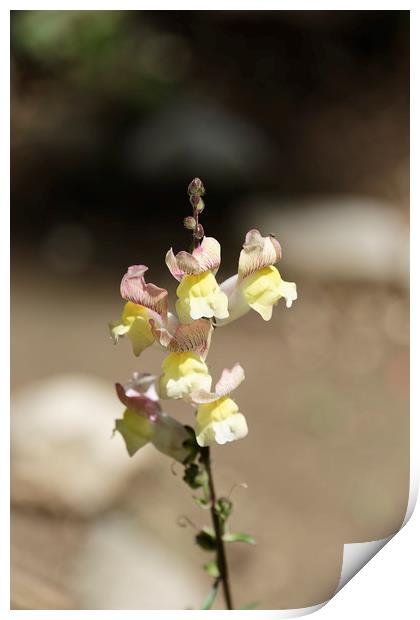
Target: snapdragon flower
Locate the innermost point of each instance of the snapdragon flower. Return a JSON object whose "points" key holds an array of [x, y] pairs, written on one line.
{"points": [[144, 302], [198, 293], [146, 320], [218, 418], [258, 284], [144, 421], [183, 373]]}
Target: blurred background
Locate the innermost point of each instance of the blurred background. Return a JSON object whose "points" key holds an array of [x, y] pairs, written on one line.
{"points": [[298, 124]]}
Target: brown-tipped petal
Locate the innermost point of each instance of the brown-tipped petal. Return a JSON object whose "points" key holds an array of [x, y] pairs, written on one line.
{"points": [[258, 252], [195, 336], [187, 263], [134, 288], [206, 257]]}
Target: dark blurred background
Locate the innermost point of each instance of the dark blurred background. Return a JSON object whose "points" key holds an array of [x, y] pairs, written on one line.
{"points": [[298, 124]]}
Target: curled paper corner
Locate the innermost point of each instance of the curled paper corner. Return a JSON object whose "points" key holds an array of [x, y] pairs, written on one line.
{"points": [[357, 555]]}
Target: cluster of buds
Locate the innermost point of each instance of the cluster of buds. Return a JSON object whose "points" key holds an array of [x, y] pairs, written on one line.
{"points": [[202, 304]]}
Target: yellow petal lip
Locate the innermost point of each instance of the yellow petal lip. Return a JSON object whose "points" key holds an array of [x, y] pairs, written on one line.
{"points": [[220, 422], [134, 323], [263, 289], [200, 297], [182, 374]]}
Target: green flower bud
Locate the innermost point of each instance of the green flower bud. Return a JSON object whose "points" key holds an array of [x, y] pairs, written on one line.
{"points": [[189, 222], [196, 187]]}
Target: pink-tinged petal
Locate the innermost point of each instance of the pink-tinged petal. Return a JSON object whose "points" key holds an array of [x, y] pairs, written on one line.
{"points": [[195, 336], [258, 252], [134, 288], [230, 379], [187, 263], [207, 254], [172, 264], [135, 399], [143, 382], [206, 257]]}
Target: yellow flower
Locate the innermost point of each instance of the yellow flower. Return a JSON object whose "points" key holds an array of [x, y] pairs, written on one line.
{"points": [[220, 421], [263, 288], [182, 374], [133, 323], [218, 417], [258, 284], [200, 296], [144, 421]]}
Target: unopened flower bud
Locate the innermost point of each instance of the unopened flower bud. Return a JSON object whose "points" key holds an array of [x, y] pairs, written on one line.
{"points": [[194, 200], [200, 206], [189, 222], [196, 187], [199, 232]]}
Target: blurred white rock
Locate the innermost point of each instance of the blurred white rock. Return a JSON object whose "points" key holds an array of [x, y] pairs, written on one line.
{"points": [[343, 237], [124, 565], [63, 452]]}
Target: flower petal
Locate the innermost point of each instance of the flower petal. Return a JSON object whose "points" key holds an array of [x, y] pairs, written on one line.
{"points": [[195, 336], [137, 431], [134, 323], [182, 374], [207, 254], [258, 252], [144, 383], [229, 380], [219, 422], [223, 432], [206, 257], [263, 289], [200, 296], [169, 437], [138, 401], [134, 288]]}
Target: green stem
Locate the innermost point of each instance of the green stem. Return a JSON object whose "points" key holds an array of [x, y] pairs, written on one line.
{"points": [[218, 531]]}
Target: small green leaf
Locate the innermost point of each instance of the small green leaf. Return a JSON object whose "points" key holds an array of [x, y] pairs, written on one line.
{"points": [[212, 569], [252, 605], [194, 476], [246, 538], [211, 596], [206, 540], [223, 508], [135, 429]]}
